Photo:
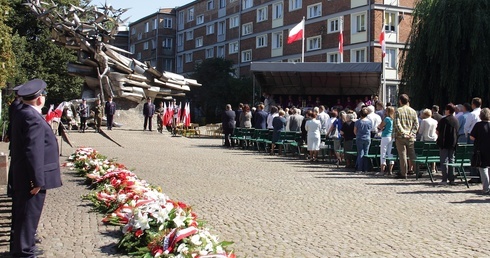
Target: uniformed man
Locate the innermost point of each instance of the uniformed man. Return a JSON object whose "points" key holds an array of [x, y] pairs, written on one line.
{"points": [[97, 112], [110, 110], [35, 165]]}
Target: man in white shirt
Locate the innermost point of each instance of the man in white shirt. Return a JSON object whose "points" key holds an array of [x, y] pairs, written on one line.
{"points": [[473, 117], [324, 118], [375, 119]]}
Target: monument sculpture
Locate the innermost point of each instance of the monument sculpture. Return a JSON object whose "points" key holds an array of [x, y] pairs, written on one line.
{"points": [[107, 70]]}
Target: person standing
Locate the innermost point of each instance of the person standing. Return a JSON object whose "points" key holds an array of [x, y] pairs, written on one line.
{"points": [[481, 136], [362, 130], [324, 118], [435, 113], [313, 127], [110, 110], [97, 112], [428, 125], [83, 113], [295, 120], [386, 128], [278, 125], [447, 131], [245, 117], [473, 117], [260, 117], [228, 124], [148, 112], [160, 112], [238, 114], [35, 165], [464, 112], [406, 126], [13, 109]]}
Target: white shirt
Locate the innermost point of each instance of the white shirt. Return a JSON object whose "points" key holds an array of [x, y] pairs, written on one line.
{"points": [[375, 120], [428, 130], [471, 120], [324, 118], [269, 120]]}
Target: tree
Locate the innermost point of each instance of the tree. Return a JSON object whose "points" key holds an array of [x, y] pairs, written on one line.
{"points": [[7, 58], [448, 52], [219, 87]]}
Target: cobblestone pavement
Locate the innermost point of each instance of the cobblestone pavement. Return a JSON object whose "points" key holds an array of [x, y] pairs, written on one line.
{"points": [[270, 206]]}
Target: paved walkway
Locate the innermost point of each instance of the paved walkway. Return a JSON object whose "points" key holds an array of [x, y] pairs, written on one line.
{"points": [[270, 206]]}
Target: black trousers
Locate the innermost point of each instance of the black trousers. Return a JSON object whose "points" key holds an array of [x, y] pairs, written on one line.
{"points": [[228, 133], [26, 209], [83, 123], [147, 119], [110, 119]]}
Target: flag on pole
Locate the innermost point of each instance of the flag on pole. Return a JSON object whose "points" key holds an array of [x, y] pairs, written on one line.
{"points": [[56, 114], [341, 38], [382, 41], [179, 113], [187, 114], [297, 32]]}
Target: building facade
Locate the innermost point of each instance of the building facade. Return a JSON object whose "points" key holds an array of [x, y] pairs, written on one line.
{"points": [[257, 30], [151, 39]]}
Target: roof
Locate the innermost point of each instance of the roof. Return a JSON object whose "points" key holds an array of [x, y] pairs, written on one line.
{"points": [[317, 78]]}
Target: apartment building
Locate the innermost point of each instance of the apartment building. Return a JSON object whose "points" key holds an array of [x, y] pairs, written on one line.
{"points": [[152, 39], [256, 30]]}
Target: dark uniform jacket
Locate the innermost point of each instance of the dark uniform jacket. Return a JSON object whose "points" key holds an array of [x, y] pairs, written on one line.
{"points": [[35, 154], [148, 109], [110, 108]]}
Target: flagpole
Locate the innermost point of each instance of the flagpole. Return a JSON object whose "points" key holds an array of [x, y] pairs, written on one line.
{"points": [[303, 43], [341, 25]]}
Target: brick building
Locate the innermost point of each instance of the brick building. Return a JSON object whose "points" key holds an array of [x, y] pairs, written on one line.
{"points": [[248, 31]]}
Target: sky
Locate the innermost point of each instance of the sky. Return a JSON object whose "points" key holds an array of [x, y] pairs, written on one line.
{"points": [[141, 8]]}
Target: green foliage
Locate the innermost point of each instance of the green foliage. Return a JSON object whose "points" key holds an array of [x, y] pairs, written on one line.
{"points": [[38, 57], [219, 87], [448, 57], [7, 58]]}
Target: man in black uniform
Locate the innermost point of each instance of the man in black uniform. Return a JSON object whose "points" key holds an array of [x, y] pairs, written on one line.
{"points": [[148, 112], [35, 165], [13, 108], [110, 110]]}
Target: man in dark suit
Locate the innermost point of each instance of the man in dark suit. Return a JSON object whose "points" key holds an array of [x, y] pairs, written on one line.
{"points": [[35, 165], [238, 112], [13, 109], [110, 110], [260, 118], [228, 125], [148, 112]]}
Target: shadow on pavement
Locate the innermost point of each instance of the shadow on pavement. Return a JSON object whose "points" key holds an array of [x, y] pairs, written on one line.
{"points": [[473, 201], [442, 191]]}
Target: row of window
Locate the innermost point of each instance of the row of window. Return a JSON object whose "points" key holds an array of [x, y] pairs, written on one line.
{"points": [[357, 55], [166, 44], [167, 23]]}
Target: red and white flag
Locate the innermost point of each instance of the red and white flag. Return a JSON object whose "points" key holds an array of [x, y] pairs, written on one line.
{"points": [[341, 40], [297, 32], [187, 114], [382, 41], [56, 114]]}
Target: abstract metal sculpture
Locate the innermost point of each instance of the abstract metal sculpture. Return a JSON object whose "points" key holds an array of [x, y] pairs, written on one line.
{"points": [[106, 69]]}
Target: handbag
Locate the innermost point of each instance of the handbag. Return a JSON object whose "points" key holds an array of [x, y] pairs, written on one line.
{"points": [[335, 133], [476, 159]]}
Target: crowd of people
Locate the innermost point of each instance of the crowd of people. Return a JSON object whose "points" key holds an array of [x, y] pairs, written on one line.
{"points": [[395, 127]]}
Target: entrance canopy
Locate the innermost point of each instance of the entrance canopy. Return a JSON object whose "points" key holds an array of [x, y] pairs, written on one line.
{"points": [[317, 78]]}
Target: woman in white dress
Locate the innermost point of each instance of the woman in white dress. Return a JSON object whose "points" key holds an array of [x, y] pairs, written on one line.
{"points": [[313, 127]]}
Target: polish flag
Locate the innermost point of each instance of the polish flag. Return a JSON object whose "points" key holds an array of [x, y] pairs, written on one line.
{"points": [[341, 42], [382, 41], [56, 114], [187, 115], [297, 32]]}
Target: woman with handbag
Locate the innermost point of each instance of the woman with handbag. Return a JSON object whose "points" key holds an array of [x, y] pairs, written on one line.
{"points": [[447, 139], [481, 137], [334, 134]]}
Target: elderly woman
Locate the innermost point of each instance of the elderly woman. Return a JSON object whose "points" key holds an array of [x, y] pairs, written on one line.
{"points": [[362, 129], [246, 117], [278, 125], [427, 128], [481, 137], [347, 132], [313, 127], [447, 131]]}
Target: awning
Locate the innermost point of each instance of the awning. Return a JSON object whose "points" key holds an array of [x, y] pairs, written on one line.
{"points": [[317, 78]]}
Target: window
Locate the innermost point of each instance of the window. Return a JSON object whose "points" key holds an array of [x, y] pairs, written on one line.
{"points": [[210, 29], [276, 40], [145, 45], [210, 5], [167, 43], [234, 21], [181, 17], [210, 53], [147, 26], [180, 62], [360, 22], [262, 14], [138, 56], [295, 5], [155, 24], [333, 58], [188, 57], [333, 25], [247, 55], [314, 11], [131, 48], [189, 35], [233, 47], [247, 4], [390, 58], [200, 19], [180, 39], [167, 64], [359, 55], [153, 44], [133, 31], [294, 60], [167, 23], [247, 28], [140, 36], [190, 14], [199, 42], [314, 43], [221, 27], [390, 22], [261, 41], [222, 4], [220, 51], [277, 10]]}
